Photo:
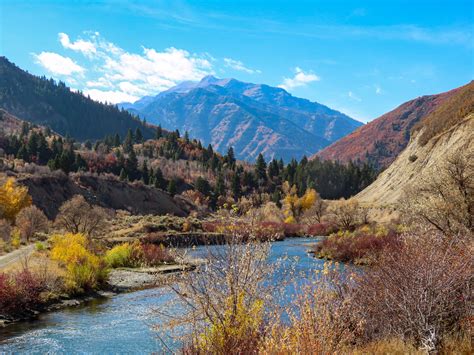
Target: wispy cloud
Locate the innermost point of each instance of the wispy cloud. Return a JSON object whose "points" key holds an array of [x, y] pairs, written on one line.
{"points": [[299, 79], [239, 66], [57, 64], [179, 14], [353, 96]]}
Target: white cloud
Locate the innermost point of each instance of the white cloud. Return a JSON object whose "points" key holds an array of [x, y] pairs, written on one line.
{"points": [[300, 79], [354, 96], [110, 96], [378, 89], [85, 47], [57, 64], [238, 65], [116, 75]]}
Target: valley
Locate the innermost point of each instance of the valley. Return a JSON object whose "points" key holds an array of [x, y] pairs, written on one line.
{"points": [[220, 216]]}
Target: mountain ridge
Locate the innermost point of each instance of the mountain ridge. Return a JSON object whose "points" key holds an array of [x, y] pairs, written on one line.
{"points": [[381, 140], [253, 117], [46, 102]]}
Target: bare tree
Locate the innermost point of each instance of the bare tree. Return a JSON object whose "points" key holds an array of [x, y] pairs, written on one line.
{"points": [[5, 230], [316, 213], [78, 216], [444, 197], [31, 220], [345, 213]]}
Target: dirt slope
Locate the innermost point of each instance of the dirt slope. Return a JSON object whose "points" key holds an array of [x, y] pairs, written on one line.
{"points": [[49, 193], [418, 161]]}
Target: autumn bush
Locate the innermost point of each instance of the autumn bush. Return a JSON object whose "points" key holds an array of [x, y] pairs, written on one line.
{"points": [[152, 255], [119, 256], [84, 270], [137, 255], [31, 220], [13, 199], [362, 246], [226, 306], [19, 291], [417, 298], [320, 229]]}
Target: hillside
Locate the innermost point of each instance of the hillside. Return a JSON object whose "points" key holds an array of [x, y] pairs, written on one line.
{"points": [[381, 140], [45, 102], [252, 118], [50, 191], [446, 130]]}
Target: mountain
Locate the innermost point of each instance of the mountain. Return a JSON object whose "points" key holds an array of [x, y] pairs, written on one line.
{"points": [[447, 130], [381, 140], [253, 118], [45, 102]]}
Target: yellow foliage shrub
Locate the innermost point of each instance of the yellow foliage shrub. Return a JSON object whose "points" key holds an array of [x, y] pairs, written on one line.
{"points": [[240, 326], [84, 270], [16, 238], [119, 256], [12, 199]]}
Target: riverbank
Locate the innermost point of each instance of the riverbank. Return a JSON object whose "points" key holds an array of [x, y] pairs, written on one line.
{"points": [[120, 280]]}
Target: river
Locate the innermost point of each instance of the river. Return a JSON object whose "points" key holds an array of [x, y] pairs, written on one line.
{"points": [[123, 323]]}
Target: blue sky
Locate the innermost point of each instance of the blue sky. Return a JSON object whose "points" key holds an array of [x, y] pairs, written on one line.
{"points": [[361, 57]]}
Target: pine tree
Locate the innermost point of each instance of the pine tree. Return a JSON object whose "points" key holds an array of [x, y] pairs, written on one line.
{"points": [[145, 174], [235, 186], [160, 181], [116, 141], [138, 136], [131, 165], [220, 186], [202, 185], [230, 157], [123, 175], [261, 168], [172, 187], [159, 132], [128, 142]]}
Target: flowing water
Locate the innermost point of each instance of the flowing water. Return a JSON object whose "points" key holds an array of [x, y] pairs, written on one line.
{"points": [[124, 323]]}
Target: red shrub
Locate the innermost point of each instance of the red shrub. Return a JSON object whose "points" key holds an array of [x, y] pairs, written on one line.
{"points": [[294, 230], [320, 229], [151, 255], [19, 292], [361, 248], [269, 230]]}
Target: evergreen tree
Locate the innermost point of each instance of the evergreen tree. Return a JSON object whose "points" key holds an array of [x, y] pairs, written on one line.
{"points": [[22, 153], [116, 141], [220, 186], [79, 163], [145, 173], [123, 175], [160, 181], [131, 165], [172, 187], [128, 142], [230, 157], [159, 132], [138, 136], [235, 186], [261, 169], [202, 185]]}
